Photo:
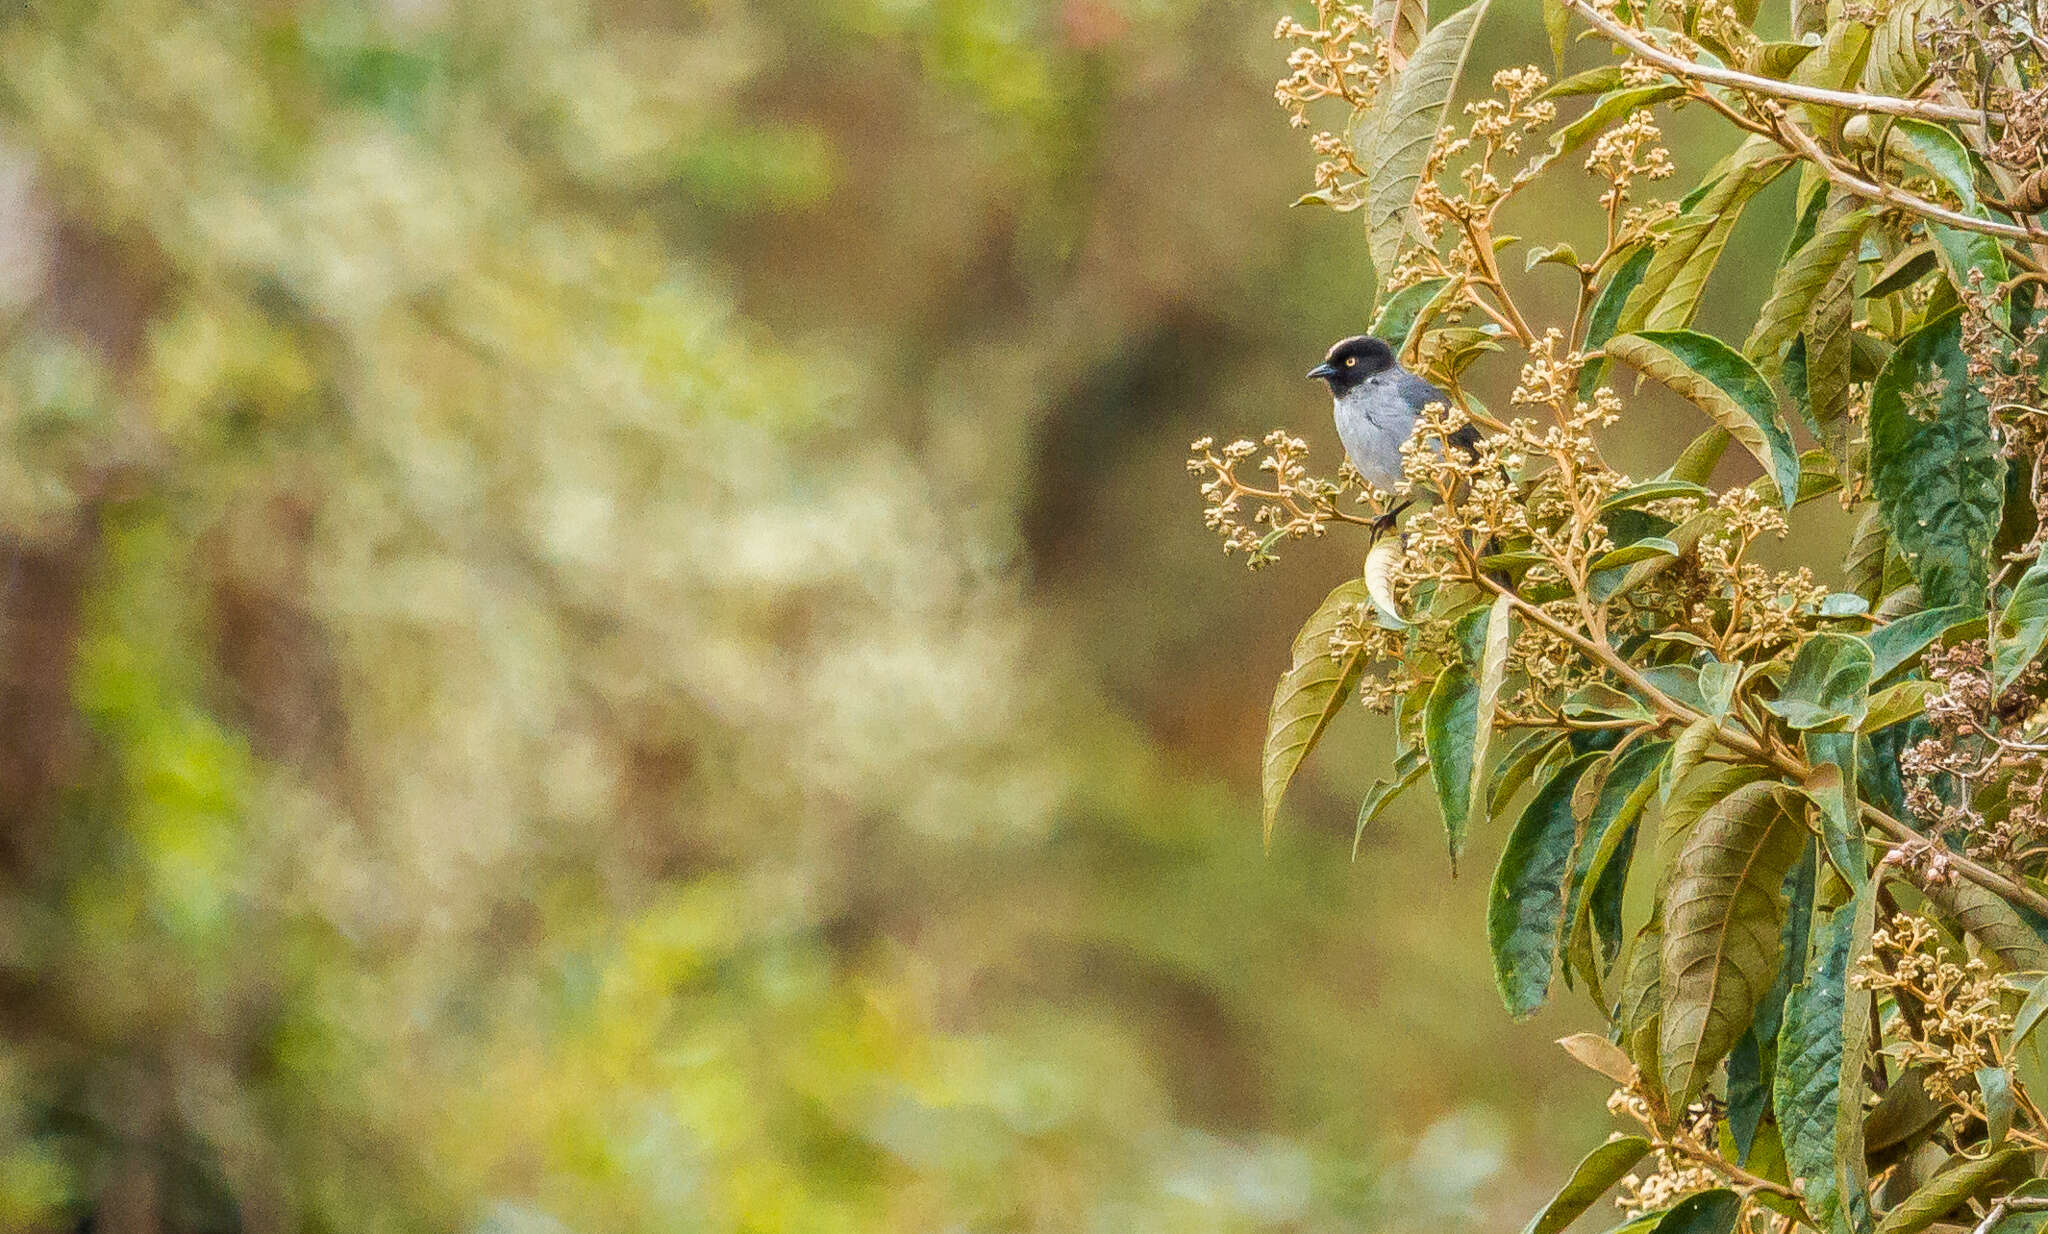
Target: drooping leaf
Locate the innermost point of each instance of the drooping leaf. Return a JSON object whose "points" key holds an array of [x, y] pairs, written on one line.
{"points": [[1903, 271], [1596, 80], [1686, 256], [1829, 686], [1717, 380], [1827, 362], [1996, 925], [1408, 768], [1605, 316], [1900, 48], [1723, 920], [1935, 465], [1752, 1064], [1493, 663], [1595, 1173], [1308, 694], [1601, 862], [1994, 1084], [1450, 730], [1799, 282], [1831, 786], [2023, 626], [1525, 908], [1809, 1066], [1408, 120], [1960, 251], [1945, 1190]]}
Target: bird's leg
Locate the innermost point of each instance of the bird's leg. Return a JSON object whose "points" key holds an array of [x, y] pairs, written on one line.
{"points": [[1385, 522]]}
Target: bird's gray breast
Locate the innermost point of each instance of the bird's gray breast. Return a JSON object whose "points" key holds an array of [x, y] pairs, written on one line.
{"points": [[1373, 419]]}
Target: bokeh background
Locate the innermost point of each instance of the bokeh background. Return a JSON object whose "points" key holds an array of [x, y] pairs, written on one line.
{"points": [[604, 631]]}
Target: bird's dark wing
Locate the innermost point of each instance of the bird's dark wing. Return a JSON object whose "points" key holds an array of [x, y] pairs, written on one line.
{"points": [[1420, 392]]}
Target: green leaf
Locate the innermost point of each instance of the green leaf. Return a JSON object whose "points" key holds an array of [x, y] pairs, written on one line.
{"points": [[1396, 318], [1701, 455], [1902, 700], [1595, 1173], [1995, 1085], [1827, 363], [1600, 865], [1895, 644], [1525, 907], [1408, 768], [1831, 786], [1934, 463], [1551, 254], [1401, 23], [1995, 924], [1800, 281], [1610, 108], [1959, 251], [1605, 316], [1648, 548], [1810, 1066], [1686, 256], [1654, 490], [1309, 694], [2029, 1015], [1829, 686], [1722, 922], [1557, 25], [1704, 1212], [1407, 123], [1450, 731], [2023, 626], [1946, 1190], [1906, 269], [1716, 378], [1900, 48]]}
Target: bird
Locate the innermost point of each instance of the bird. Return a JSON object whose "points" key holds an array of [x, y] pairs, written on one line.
{"points": [[1376, 404]]}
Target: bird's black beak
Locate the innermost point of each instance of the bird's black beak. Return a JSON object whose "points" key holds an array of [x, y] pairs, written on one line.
{"points": [[1324, 371]]}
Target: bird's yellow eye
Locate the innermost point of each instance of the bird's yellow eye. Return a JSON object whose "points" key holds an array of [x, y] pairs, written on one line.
{"points": [[1350, 361]]}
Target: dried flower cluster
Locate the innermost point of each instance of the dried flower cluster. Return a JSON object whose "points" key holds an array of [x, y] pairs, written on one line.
{"points": [[1983, 738]]}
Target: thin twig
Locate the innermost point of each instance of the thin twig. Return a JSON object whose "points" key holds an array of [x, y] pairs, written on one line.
{"points": [[1922, 109], [1797, 137]]}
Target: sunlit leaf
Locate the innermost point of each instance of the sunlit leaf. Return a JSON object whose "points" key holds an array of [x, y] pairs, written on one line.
{"points": [[1798, 283], [1407, 123], [1723, 918], [1396, 319], [1716, 378], [1401, 23], [1686, 256], [1309, 694], [1605, 316]]}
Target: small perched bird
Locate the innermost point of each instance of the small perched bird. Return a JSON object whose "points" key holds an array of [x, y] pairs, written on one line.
{"points": [[1377, 402]]}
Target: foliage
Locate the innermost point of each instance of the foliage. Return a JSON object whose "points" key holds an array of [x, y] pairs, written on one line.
{"points": [[1809, 979]]}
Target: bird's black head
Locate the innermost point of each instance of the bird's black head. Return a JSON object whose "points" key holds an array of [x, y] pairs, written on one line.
{"points": [[1352, 361]]}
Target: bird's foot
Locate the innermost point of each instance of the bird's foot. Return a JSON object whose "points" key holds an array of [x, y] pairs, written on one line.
{"points": [[1385, 522]]}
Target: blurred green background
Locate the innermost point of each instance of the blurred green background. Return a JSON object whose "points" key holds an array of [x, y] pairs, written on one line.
{"points": [[604, 631]]}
